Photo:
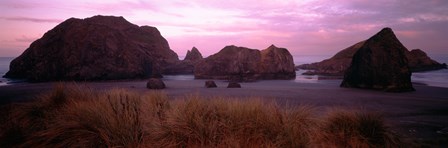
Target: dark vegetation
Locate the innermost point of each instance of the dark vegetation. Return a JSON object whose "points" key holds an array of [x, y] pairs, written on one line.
{"points": [[76, 116]]}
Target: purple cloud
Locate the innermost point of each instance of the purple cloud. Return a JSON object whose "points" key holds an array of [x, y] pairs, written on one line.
{"points": [[19, 4], [123, 7], [304, 27], [29, 19]]}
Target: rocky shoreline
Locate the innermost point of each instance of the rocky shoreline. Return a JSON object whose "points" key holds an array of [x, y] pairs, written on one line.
{"points": [[111, 48]]}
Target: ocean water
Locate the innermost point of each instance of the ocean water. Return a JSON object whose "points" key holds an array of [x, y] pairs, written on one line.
{"points": [[437, 78], [306, 59], [182, 77], [4, 67]]}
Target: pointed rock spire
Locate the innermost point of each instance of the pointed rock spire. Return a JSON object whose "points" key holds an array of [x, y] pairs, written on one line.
{"points": [[193, 55], [380, 63]]}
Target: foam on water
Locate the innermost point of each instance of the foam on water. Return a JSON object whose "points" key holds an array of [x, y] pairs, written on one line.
{"points": [[437, 78]]}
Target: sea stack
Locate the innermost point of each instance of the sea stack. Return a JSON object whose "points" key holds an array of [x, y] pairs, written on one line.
{"points": [[337, 65], [185, 66], [420, 61], [244, 64], [193, 55], [95, 48], [277, 63], [381, 64]]}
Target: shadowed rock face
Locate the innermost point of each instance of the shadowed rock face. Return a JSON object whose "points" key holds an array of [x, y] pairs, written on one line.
{"points": [[187, 65], [339, 63], [244, 64], [193, 55], [277, 63], [96, 48], [380, 63], [230, 62], [419, 61]]}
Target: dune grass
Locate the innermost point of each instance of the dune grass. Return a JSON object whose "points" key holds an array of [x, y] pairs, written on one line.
{"points": [[76, 116], [345, 128]]}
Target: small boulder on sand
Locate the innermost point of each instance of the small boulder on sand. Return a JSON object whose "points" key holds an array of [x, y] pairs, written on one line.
{"points": [[155, 83], [234, 85], [210, 84]]}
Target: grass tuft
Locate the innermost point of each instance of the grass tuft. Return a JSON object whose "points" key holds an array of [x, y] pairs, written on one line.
{"points": [[344, 128], [77, 116]]}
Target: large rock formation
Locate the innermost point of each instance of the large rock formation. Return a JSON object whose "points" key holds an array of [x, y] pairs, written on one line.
{"points": [[228, 63], [380, 63], [244, 64], [338, 64], [193, 55], [96, 48], [187, 65], [419, 61], [277, 63]]}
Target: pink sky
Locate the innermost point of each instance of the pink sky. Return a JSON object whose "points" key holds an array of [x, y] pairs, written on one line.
{"points": [[305, 27]]}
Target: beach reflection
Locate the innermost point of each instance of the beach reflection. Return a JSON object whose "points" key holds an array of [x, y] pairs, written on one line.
{"points": [[178, 77], [306, 78]]}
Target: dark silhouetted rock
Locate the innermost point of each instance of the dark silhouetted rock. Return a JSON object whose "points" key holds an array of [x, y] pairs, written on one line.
{"points": [[193, 55], [210, 84], [336, 65], [277, 63], [419, 61], [229, 63], [234, 85], [244, 64], [339, 63], [380, 63], [96, 48], [187, 65], [155, 83]]}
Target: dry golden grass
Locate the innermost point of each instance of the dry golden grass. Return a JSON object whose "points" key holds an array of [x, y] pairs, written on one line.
{"points": [[225, 122], [356, 129], [76, 116]]}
